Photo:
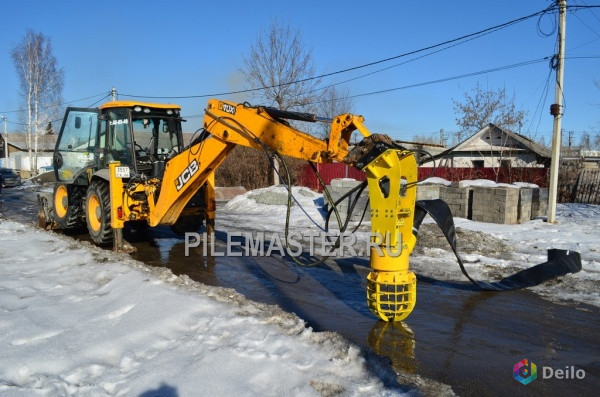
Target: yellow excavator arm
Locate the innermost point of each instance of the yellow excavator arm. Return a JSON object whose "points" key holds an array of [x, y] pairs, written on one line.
{"points": [[391, 173]]}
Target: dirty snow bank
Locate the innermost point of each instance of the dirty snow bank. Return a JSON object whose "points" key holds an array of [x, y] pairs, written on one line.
{"points": [[577, 229], [80, 320]]}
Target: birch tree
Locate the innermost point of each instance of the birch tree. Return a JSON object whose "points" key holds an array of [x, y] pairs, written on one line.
{"points": [[40, 83]]}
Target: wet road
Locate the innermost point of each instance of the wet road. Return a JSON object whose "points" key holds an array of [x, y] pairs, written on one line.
{"points": [[467, 339]]}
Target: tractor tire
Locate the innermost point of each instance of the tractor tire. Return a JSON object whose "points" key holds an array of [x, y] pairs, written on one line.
{"points": [[97, 211], [67, 205], [187, 224]]}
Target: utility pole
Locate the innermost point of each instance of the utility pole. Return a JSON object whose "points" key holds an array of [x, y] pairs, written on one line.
{"points": [[570, 138], [5, 143], [442, 137], [556, 111], [113, 94]]}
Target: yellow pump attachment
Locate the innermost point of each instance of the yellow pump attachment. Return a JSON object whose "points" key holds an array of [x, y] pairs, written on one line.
{"points": [[391, 287]]}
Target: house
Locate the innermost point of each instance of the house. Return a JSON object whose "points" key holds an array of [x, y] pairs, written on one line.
{"points": [[493, 147], [18, 156]]}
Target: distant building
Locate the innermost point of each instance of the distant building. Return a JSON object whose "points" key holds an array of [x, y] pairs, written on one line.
{"points": [[493, 147], [589, 158], [18, 156]]}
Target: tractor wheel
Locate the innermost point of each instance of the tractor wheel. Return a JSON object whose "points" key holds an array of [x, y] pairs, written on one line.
{"points": [[97, 204], [187, 224], [67, 203]]}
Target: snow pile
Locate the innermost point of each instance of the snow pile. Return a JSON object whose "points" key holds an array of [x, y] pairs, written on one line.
{"points": [[265, 209], [477, 182], [80, 320], [434, 180], [526, 184]]}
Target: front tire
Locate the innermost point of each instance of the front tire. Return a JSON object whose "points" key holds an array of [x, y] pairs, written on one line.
{"points": [[97, 204]]}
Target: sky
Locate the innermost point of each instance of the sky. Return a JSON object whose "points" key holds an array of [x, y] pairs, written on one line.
{"points": [[185, 48]]}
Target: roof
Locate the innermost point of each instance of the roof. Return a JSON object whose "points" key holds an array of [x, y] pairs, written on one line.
{"points": [[521, 141], [130, 104], [46, 142]]}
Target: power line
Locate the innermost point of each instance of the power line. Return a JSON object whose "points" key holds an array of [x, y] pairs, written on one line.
{"points": [[437, 81], [586, 25], [413, 52], [592, 11], [54, 106], [445, 79]]}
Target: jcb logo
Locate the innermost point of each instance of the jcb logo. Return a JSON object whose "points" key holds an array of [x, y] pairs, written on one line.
{"points": [[227, 108], [186, 175]]}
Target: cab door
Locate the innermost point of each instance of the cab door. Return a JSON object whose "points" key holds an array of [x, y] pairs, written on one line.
{"points": [[76, 144]]}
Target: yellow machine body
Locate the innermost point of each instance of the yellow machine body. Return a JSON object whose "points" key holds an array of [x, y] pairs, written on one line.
{"points": [[391, 175]]}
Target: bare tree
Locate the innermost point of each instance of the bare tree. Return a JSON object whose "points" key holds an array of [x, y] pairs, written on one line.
{"points": [[41, 83], [334, 102], [585, 142], [481, 107], [282, 67]]}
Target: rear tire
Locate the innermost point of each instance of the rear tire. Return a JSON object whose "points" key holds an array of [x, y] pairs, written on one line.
{"points": [[97, 204], [67, 207]]}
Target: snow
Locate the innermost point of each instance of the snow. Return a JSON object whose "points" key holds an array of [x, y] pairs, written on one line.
{"points": [[265, 209], [525, 184], [434, 180], [477, 182], [576, 229], [79, 320]]}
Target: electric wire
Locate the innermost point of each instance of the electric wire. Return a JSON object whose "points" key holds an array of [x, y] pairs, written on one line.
{"points": [[62, 104], [430, 82], [442, 80]]}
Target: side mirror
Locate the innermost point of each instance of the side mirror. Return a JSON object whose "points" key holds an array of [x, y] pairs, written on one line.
{"points": [[77, 122]]}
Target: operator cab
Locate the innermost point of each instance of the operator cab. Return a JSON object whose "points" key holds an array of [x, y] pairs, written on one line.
{"points": [[140, 135]]}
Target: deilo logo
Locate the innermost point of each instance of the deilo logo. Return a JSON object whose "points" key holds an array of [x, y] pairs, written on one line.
{"points": [[525, 371]]}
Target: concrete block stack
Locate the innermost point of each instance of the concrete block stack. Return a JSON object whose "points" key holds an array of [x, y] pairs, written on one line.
{"points": [[458, 199], [338, 188], [524, 208], [428, 192], [539, 202], [496, 204]]}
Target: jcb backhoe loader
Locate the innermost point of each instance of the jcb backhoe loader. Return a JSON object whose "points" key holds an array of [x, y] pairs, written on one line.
{"points": [[126, 161]]}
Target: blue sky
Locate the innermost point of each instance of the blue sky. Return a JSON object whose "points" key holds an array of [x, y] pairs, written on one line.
{"points": [[175, 48]]}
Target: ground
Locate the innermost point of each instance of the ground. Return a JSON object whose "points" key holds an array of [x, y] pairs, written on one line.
{"points": [[85, 321]]}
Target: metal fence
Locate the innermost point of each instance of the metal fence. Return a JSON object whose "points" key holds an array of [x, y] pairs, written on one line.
{"points": [[575, 183]]}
